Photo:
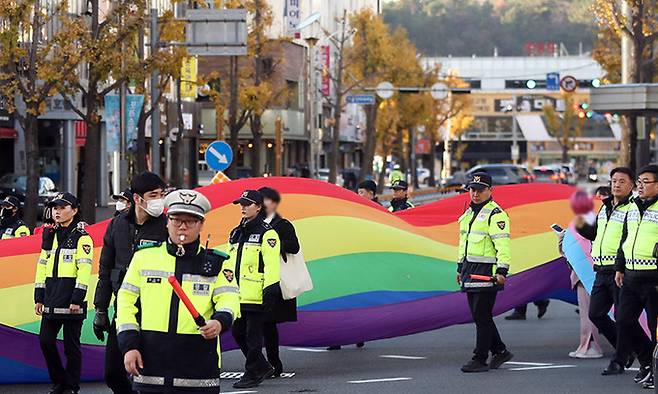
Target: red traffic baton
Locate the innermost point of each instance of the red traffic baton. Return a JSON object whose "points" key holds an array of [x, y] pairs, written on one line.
{"points": [[198, 319], [481, 277]]}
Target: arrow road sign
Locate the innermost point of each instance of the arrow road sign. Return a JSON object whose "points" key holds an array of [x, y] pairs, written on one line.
{"points": [[219, 155], [361, 99], [553, 81]]}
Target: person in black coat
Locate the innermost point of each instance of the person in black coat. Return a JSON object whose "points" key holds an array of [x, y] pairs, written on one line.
{"points": [[283, 310]]}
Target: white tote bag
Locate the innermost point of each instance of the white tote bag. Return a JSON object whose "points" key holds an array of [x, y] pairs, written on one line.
{"points": [[295, 278]]}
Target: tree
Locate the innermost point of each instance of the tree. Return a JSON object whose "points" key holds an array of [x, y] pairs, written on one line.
{"points": [[32, 66], [371, 52], [565, 126], [250, 86], [167, 61], [104, 45], [635, 21]]}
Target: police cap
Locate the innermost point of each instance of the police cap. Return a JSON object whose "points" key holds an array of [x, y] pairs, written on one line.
{"points": [[479, 181], [189, 202]]}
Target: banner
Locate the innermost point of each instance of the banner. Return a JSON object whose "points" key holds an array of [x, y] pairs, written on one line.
{"points": [[134, 104], [291, 16], [113, 121], [325, 86], [112, 118], [188, 85]]}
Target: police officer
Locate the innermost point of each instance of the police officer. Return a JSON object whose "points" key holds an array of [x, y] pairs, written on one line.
{"points": [[484, 249], [123, 201], [60, 290], [11, 224], [400, 200], [142, 224], [637, 272], [396, 174], [254, 249], [605, 231], [283, 310], [165, 351], [368, 190]]}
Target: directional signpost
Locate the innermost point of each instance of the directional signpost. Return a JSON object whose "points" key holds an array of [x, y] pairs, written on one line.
{"points": [[553, 81], [219, 155], [361, 99]]}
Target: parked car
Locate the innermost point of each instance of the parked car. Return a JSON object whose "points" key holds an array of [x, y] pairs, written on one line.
{"points": [[205, 173], [503, 174], [423, 176], [16, 185], [546, 175], [456, 179]]}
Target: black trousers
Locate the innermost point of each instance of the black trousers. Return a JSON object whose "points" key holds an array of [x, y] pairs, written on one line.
{"points": [[523, 309], [605, 294], [248, 333], [634, 297], [68, 377], [271, 337], [116, 376], [487, 338]]}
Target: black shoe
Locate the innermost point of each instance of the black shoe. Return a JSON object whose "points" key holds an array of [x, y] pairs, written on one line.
{"points": [[499, 359], [360, 344], [630, 361], [515, 316], [246, 382], [475, 366], [56, 389], [278, 369], [613, 369], [334, 348], [643, 374], [649, 383], [265, 374], [541, 309]]}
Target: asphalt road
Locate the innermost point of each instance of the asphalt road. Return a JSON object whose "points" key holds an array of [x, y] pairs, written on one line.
{"points": [[430, 362]]}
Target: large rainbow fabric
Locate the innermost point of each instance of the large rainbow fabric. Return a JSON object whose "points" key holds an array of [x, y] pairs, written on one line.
{"points": [[376, 275]]}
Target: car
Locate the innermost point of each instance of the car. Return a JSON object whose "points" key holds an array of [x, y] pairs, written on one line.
{"points": [[547, 175], [503, 174], [205, 173], [423, 176], [456, 179], [16, 185]]}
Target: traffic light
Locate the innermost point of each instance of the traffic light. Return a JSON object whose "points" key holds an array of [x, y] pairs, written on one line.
{"points": [[584, 111], [596, 83], [531, 84]]}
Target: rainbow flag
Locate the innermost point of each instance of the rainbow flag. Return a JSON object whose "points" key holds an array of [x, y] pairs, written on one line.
{"points": [[376, 274]]}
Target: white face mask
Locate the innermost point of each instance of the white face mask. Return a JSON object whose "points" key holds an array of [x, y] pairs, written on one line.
{"points": [[121, 206], [154, 207]]}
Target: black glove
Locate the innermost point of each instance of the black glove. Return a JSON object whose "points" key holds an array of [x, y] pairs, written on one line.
{"points": [[271, 295], [101, 324]]}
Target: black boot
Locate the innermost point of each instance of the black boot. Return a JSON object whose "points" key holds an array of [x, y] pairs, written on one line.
{"points": [[475, 366], [614, 368]]}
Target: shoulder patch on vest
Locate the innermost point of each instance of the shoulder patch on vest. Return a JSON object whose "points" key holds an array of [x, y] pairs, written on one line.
{"points": [[228, 274], [271, 242], [501, 225]]}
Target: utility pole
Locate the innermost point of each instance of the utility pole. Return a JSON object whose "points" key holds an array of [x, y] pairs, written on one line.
{"points": [[155, 116], [515, 126], [278, 145]]}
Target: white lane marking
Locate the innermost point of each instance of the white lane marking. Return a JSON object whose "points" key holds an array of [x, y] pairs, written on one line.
{"points": [[402, 357], [240, 392], [633, 369], [378, 380], [307, 349], [522, 363], [238, 375], [543, 367]]}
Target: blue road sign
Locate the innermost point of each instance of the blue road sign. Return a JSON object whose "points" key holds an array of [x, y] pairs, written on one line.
{"points": [[361, 99], [219, 155], [553, 81]]}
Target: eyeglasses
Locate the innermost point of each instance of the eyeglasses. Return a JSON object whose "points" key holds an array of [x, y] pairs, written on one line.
{"points": [[188, 223], [641, 182]]}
